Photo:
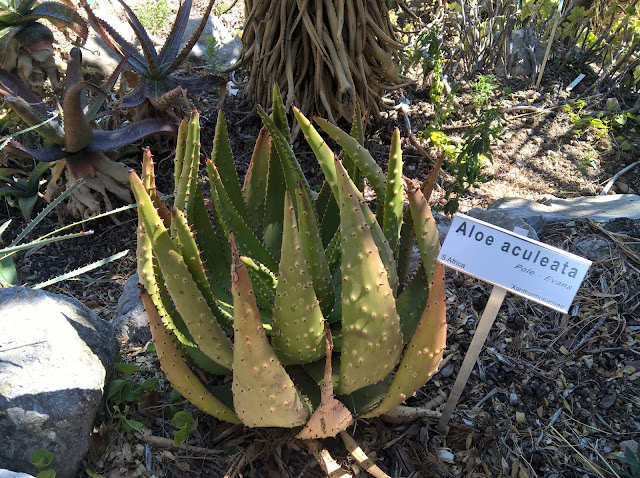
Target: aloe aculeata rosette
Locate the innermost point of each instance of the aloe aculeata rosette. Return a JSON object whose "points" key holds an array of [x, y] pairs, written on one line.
{"points": [[307, 303]]}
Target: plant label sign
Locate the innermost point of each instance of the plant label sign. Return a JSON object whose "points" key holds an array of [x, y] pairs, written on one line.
{"points": [[529, 268]]}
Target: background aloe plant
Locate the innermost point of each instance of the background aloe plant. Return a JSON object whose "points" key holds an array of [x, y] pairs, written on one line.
{"points": [[311, 333], [74, 142], [157, 81], [26, 45]]}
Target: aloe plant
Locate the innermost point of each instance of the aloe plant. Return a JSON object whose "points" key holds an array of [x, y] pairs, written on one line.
{"points": [[26, 45], [157, 80], [310, 334], [74, 141]]}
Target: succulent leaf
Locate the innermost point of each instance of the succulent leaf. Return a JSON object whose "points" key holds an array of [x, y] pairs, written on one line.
{"points": [[190, 154], [371, 336], [279, 114], [313, 251], [424, 352], [394, 200], [426, 231], [256, 181], [359, 155], [222, 157], [77, 130], [214, 247], [171, 45], [148, 49], [189, 250], [178, 373], [102, 141], [290, 166], [58, 13], [298, 325], [430, 181], [188, 300], [274, 204], [248, 243], [263, 393], [150, 278]]}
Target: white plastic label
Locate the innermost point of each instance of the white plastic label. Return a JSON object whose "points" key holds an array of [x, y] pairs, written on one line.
{"points": [[529, 268]]}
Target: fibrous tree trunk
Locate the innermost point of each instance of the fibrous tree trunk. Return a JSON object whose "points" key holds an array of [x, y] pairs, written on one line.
{"points": [[325, 55]]}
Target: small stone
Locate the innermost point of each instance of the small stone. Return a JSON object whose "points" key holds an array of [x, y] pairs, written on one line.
{"points": [[623, 187], [630, 445], [608, 401], [446, 456], [447, 371], [513, 398]]}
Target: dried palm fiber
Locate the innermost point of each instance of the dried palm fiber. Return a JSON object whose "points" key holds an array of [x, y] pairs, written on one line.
{"points": [[327, 55]]}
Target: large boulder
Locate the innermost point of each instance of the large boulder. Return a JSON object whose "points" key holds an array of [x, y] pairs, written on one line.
{"points": [[131, 323], [55, 357], [552, 209]]}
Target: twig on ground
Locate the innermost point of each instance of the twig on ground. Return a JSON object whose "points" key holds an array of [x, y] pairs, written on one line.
{"points": [[612, 181], [361, 457], [404, 414], [162, 442], [326, 461]]}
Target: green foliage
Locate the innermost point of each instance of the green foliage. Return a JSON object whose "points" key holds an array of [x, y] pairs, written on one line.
{"points": [[467, 160], [42, 459], [185, 424], [212, 55], [288, 294], [153, 15], [475, 151], [483, 90], [632, 462], [122, 394]]}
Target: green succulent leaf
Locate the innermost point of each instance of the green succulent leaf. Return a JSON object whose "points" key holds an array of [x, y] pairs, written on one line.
{"points": [[371, 336], [256, 183], [184, 291], [222, 157], [297, 324], [263, 393]]}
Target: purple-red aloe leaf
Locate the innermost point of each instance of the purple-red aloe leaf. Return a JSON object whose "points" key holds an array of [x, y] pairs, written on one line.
{"points": [[77, 130], [46, 155], [193, 40], [148, 49], [110, 140], [59, 14], [171, 45], [114, 39]]}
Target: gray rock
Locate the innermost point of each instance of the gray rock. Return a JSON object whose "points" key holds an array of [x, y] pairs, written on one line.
{"points": [[13, 474], [593, 248], [228, 41], [131, 323], [624, 225], [552, 209], [504, 219], [55, 356], [608, 401], [524, 54]]}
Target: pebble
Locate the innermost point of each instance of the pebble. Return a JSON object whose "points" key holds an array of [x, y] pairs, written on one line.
{"points": [[607, 401], [447, 371]]}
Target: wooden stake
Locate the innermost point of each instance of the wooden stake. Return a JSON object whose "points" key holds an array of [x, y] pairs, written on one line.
{"points": [[482, 331], [479, 338], [551, 38]]}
